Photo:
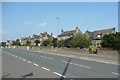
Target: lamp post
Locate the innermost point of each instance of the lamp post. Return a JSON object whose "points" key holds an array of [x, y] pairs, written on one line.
{"points": [[57, 18]]}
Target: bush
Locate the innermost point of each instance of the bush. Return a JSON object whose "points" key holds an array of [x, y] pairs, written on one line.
{"points": [[111, 40], [46, 42], [37, 42], [81, 41]]}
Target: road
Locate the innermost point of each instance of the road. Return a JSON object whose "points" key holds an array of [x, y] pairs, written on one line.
{"points": [[18, 63]]}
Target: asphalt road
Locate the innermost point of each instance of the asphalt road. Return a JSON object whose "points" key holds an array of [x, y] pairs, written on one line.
{"points": [[17, 63]]}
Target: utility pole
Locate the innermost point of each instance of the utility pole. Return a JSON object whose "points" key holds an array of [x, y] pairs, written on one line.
{"points": [[57, 18]]}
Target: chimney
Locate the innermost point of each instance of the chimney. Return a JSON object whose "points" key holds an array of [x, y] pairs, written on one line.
{"points": [[62, 30], [77, 29]]}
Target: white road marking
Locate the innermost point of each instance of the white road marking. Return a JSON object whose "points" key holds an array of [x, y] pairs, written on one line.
{"points": [[20, 58], [46, 57], [58, 74], [29, 62], [115, 73], [35, 64], [16, 56], [76, 64], [13, 55], [24, 60], [46, 69]]}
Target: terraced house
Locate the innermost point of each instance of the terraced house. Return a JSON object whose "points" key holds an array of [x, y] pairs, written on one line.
{"points": [[68, 34], [96, 35], [42, 37]]}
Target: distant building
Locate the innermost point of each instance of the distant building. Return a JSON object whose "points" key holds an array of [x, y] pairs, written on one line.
{"points": [[68, 34], [24, 40], [42, 37], [9, 42], [96, 35]]}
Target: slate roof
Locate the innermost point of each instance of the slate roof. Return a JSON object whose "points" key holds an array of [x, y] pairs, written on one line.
{"points": [[43, 34], [71, 32], [94, 34], [66, 33], [36, 36]]}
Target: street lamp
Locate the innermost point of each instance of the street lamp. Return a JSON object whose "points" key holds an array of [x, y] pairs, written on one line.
{"points": [[57, 18]]}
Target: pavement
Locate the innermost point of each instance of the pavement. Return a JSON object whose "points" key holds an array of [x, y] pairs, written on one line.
{"points": [[18, 63]]}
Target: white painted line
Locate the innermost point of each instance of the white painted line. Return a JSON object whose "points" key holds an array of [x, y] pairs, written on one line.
{"points": [[58, 74], [46, 57], [16, 56], [29, 62], [115, 73], [35, 64], [13, 55], [24, 60], [76, 64], [46, 69], [20, 58]]}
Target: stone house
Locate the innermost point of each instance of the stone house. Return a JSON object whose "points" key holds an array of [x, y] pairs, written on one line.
{"points": [[68, 34], [95, 36]]}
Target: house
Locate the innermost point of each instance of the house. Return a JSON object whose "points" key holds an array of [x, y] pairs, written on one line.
{"points": [[68, 34], [95, 36], [33, 38], [44, 36], [9, 43], [24, 40]]}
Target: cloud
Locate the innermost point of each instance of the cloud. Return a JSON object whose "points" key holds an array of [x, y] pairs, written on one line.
{"points": [[42, 24]]}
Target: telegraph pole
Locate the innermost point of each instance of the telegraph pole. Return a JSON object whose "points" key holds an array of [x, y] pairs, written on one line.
{"points": [[57, 18]]}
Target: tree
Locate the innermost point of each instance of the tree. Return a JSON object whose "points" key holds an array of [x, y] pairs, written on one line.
{"points": [[60, 43], [28, 43], [68, 43], [54, 42], [80, 41], [16, 43], [118, 40], [3, 44], [37, 42], [47, 41], [111, 40], [108, 40]]}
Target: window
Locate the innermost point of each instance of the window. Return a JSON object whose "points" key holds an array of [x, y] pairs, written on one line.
{"points": [[98, 35]]}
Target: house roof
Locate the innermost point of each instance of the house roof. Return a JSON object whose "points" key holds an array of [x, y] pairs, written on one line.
{"points": [[66, 33], [44, 34], [36, 36], [94, 34]]}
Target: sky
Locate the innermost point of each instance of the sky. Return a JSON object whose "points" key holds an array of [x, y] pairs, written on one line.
{"points": [[20, 19]]}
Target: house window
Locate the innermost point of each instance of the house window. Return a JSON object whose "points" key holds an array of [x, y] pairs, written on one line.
{"points": [[98, 35]]}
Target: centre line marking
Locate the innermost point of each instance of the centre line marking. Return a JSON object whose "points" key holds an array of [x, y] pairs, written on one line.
{"points": [[115, 73], [20, 58], [76, 64], [16, 56], [29, 62], [35, 64], [58, 74], [24, 60], [46, 69]]}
